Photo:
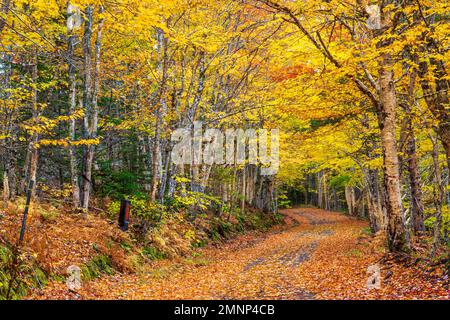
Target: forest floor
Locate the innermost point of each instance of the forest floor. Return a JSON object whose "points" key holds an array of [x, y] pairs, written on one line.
{"points": [[317, 254]]}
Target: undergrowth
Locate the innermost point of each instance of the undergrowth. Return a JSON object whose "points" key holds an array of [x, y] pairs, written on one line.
{"points": [[156, 232], [19, 272], [96, 267]]}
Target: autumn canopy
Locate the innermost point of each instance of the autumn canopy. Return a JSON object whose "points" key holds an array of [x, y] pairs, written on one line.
{"points": [[92, 93]]}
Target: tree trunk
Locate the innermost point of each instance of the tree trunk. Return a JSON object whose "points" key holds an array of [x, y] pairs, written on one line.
{"points": [[417, 209], [155, 159], [306, 192], [160, 112], [377, 212], [320, 202], [87, 104], [5, 190], [397, 233], [72, 123], [91, 103], [243, 191], [438, 191], [326, 195], [33, 146], [165, 165], [351, 201]]}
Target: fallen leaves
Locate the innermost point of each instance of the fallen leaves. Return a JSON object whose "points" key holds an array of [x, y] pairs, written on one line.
{"points": [[316, 255]]}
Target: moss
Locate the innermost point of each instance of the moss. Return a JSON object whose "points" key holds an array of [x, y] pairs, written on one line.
{"points": [[165, 272], [355, 253], [49, 215], [367, 231], [198, 261], [153, 253], [58, 278], [200, 243], [160, 273], [98, 265], [19, 274], [126, 246], [224, 229], [136, 263], [40, 277]]}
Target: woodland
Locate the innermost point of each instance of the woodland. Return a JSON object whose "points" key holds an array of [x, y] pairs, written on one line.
{"points": [[91, 92]]}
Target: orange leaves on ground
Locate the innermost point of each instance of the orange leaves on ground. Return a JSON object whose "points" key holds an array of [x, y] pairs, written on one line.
{"points": [[315, 255]]}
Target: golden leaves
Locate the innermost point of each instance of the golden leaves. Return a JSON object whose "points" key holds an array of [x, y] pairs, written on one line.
{"points": [[317, 255]]}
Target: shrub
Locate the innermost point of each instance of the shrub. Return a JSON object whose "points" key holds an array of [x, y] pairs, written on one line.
{"points": [[191, 199], [144, 214], [135, 263], [284, 202], [18, 273], [48, 213], [429, 222], [117, 184]]}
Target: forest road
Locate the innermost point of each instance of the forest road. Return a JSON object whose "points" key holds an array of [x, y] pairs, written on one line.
{"points": [[252, 266], [316, 254]]}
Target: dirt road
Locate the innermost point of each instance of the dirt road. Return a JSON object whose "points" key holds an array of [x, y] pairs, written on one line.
{"points": [[316, 255]]}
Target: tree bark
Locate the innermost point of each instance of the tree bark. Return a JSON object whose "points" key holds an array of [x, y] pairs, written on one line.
{"points": [[87, 105], [155, 159], [377, 212], [438, 196], [159, 112], [90, 100], [350, 198], [243, 195], [5, 190], [33, 146], [417, 208], [72, 122], [397, 233]]}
